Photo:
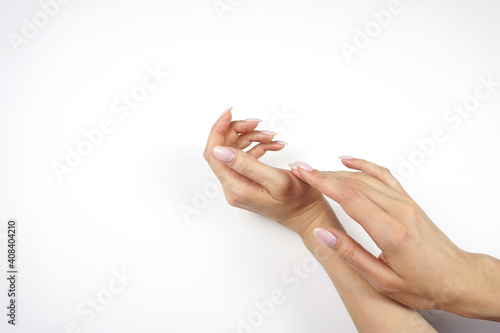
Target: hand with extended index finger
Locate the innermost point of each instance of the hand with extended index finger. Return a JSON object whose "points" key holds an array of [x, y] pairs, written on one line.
{"points": [[255, 186], [419, 266]]}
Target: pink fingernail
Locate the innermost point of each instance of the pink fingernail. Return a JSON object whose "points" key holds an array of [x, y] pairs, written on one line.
{"points": [[304, 166], [268, 133], [346, 157], [325, 237], [223, 113], [224, 154], [280, 142], [293, 166], [253, 119]]}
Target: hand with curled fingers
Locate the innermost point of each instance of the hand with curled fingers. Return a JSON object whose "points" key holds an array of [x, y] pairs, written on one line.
{"points": [[419, 265], [257, 187]]}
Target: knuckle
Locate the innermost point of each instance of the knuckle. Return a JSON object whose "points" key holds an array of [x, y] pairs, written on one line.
{"points": [[401, 235], [321, 181], [206, 155], [282, 186], [349, 255], [348, 192], [233, 199], [385, 172], [411, 211], [385, 286], [244, 167]]}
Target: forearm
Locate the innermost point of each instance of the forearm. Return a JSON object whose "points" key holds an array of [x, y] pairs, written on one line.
{"points": [[369, 310]]}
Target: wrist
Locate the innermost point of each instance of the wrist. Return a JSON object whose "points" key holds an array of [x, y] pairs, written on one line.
{"points": [[323, 217], [479, 296]]}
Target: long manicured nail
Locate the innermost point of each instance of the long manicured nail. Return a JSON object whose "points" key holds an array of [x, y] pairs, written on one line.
{"points": [[223, 113], [224, 154], [268, 133], [293, 165], [253, 119], [304, 166], [280, 142], [346, 157], [325, 237]]}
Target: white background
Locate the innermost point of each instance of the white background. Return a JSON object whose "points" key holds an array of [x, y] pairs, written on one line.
{"points": [[120, 208]]}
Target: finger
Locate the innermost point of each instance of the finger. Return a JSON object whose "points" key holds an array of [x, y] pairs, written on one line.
{"points": [[259, 150], [378, 192], [392, 202], [216, 138], [379, 275], [245, 140], [374, 170], [240, 126], [357, 205], [250, 167]]}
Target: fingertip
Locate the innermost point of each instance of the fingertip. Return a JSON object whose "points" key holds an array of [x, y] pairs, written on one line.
{"points": [[326, 237], [225, 113], [304, 166], [348, 161], [222, 124], [346, 157], [224, 154]]}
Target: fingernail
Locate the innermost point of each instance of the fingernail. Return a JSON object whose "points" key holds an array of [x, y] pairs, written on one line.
{"points": [[325, 237], [304, 166], [223, 113], [224, 154], [281, 142], [268, 133], [292, 165], [346, 157], [253, 119]]}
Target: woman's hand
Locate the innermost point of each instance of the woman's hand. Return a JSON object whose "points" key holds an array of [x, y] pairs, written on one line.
{"points": [[278, 194], [419, 266], [257, 187]]}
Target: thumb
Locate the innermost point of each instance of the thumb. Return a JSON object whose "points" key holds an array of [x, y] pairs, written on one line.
{"points": [[372, 269], [313, 177], [248, 166]]}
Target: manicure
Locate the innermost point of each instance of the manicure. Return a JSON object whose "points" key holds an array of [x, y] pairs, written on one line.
{"points": [[224, 154], [346, 157], [268, 133], [223, 113], [280, 142], [325, 237], [304, 166], [253, 119]]}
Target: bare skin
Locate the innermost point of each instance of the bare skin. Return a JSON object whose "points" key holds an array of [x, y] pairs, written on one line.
{"points": [[419, 265], [282, 196]]}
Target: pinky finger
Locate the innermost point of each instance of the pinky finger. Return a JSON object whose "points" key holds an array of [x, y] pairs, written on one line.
{"points": [[259, 150]]}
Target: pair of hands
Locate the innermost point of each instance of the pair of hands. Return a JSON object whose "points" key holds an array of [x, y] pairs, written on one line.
{"points": [[418, 266]]}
